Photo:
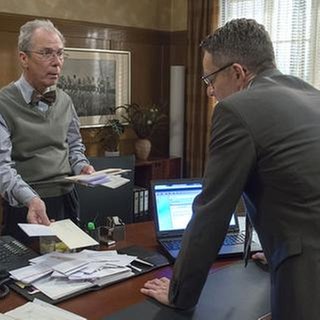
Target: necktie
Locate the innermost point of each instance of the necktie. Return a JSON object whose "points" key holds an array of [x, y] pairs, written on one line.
{"points": [[247, 241], [48, 97]]}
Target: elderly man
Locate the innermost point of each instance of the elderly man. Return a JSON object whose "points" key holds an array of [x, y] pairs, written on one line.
{"points": [[40, 139]]}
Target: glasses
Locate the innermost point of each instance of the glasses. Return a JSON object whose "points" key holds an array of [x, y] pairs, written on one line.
{"points": [[50, 54], [211, 78]]}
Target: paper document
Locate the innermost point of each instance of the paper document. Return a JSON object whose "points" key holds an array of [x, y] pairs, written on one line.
{"points": [[56, 288], [58, 274], [65, 230], [36, 230], [108, 178], [5, 317], [30, 273], [41, 310]]}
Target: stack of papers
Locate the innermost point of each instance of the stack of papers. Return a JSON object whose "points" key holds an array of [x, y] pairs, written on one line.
{"points": [[39, 310], [110, 178], [60, 274]]}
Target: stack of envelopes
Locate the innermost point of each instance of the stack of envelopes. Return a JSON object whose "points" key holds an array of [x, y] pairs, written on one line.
{"points": [[60, 274]]}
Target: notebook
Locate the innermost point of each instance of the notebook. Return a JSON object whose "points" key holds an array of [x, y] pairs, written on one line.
{"points": [[172, 201]]}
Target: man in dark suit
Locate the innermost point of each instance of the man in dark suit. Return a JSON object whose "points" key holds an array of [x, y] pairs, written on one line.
{"points": [[265, 141]]}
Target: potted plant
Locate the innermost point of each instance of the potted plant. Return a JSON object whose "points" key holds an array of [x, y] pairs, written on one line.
{"points": [[145, 121], [113, 131]]}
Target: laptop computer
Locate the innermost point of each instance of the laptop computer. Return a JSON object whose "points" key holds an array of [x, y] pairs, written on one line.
{"points": [[172, 201]]}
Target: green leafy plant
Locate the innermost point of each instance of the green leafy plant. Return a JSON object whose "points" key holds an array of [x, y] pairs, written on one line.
{"points": [[144, 120], [114, 129]]}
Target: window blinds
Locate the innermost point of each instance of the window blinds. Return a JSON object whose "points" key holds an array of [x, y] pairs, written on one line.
{"points": [[294, 27]]}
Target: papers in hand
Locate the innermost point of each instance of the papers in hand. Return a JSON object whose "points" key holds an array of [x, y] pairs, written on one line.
{"points": [[110, 178], [68, 232]]}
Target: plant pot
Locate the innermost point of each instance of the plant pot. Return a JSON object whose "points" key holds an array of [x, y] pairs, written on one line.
{"points": [[111, 153], [142, 149]]}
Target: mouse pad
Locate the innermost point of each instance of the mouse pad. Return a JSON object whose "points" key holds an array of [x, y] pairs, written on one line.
{"points": [[231, 293]]}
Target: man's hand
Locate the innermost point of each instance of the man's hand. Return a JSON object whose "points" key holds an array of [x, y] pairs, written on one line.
{"points": [[37, 212], [158, 289], [260, 256], [87, 169]]}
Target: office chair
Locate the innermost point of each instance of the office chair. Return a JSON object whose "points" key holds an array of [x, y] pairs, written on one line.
{"points": [[97, 203]]}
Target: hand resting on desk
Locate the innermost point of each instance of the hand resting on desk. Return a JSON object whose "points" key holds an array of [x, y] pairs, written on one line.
{"points": [[158, 289], [260, 256], [261, 261]]}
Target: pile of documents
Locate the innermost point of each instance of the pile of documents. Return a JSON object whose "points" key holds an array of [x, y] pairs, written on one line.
{"points": [[61, 274], [110, 178], [39, 310]]}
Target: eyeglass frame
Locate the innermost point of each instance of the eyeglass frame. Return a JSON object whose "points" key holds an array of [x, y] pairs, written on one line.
{"points": [[48, 54], [209, 82]]}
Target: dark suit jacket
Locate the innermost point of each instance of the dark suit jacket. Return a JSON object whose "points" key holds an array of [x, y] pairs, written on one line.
{"points": [[265, 142]]}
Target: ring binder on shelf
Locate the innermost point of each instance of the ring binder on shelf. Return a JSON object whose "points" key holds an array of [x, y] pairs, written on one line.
{"points": [[140, 204]]}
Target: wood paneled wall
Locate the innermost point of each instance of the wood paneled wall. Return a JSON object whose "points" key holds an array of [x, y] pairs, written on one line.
{"points": [[152, 53]]}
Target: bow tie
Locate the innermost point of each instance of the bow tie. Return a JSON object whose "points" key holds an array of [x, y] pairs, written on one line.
{"points": [[48, 97]]}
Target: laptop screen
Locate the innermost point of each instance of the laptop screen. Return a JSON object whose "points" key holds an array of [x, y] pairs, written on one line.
{"points": [[173, 203]]}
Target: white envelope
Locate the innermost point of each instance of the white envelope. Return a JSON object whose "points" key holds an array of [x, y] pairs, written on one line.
{"points": [[68, 232]]}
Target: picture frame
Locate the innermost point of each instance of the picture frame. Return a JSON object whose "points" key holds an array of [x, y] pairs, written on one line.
{"points": [[97, 81]]}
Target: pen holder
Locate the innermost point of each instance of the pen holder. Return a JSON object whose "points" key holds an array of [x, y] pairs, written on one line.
{"points": [[118, 232], [116, 228]]}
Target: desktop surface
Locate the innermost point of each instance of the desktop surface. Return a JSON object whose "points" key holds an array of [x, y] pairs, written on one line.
{"points": [[106, 301]]}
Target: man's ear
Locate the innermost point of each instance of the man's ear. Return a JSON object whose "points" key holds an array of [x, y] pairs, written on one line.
{"points": [[24, 59], [240, 71]]}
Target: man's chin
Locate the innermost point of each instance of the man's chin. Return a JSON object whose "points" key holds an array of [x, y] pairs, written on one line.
{"points": [[52, 82]]}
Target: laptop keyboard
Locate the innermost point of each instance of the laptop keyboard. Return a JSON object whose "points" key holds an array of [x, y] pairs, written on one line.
{"points": [[230, 239], [172, 244]]}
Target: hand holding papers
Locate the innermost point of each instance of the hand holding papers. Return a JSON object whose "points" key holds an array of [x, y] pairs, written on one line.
{"points": [[65, 230], [110, 178]]}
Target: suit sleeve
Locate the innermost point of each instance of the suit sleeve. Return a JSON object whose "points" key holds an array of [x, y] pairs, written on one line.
{"points": [[231, 158]]}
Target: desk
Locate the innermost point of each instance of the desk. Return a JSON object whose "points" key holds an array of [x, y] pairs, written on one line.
{"points": [[95, 305]]}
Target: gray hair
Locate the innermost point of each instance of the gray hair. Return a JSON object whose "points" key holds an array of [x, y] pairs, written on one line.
{"points": [[242, 41], [27, 30]]}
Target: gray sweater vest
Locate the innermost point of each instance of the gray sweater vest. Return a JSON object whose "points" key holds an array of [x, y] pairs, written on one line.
{"points": [[39, 140]]}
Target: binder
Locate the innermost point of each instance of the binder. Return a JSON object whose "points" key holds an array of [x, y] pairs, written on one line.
{"points": [[141, 204]]}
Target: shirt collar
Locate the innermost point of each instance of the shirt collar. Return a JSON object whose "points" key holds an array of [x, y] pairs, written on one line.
{"points": [[25, 88], [265, 74]]}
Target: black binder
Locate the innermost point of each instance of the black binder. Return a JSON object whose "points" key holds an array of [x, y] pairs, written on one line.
{"points": [[232, 293]]}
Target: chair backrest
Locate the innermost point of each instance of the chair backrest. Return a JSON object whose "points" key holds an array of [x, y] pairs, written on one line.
{"points": [[100, 202]]}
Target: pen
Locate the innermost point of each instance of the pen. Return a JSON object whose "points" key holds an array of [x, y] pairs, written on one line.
{"points": [[135, 268], [144, 262]]}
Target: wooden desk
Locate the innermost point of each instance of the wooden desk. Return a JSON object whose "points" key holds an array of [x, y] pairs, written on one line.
{"points": [[96, 305]]}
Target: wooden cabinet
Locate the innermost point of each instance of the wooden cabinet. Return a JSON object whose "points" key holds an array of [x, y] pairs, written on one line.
{"points": [[156, 169], [153, 169]]}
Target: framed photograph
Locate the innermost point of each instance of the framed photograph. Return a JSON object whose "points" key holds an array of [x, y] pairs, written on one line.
{"points": [[97, 82]]}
